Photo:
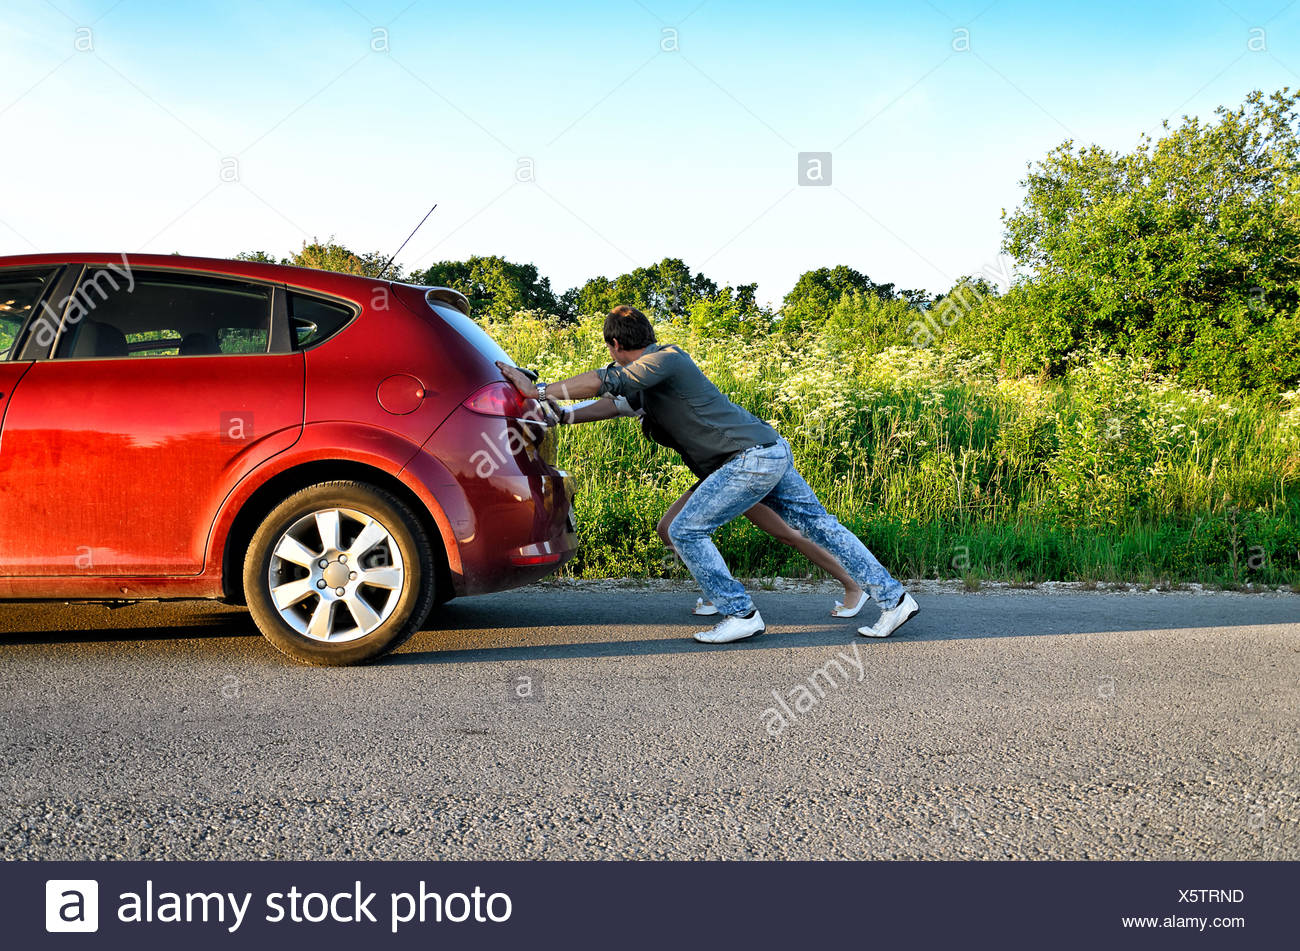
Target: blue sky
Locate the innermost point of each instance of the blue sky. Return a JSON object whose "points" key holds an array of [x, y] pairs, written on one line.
{"points": [[215, 127]]}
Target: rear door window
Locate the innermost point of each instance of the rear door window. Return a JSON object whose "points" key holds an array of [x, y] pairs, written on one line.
{"points": [[162, 314]]}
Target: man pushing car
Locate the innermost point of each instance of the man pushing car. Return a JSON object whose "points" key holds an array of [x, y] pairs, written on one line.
{"points": [[745, 462]]}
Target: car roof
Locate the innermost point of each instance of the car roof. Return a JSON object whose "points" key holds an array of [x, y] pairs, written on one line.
{"points": [[346, 285]]}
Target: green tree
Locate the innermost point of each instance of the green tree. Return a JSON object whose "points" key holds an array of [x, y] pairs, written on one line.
{"points": [[1183, 251], [814, 296], [593, 297], [665, 291], [864, 322], [494, 286], [331, 256], [259, 257], [729, 311]]}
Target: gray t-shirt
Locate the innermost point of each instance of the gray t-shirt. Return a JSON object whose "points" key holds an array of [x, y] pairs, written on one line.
{"points": [[706, 427]]}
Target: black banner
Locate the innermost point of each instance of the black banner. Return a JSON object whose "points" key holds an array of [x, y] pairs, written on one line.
{"points": [[641, 905]]}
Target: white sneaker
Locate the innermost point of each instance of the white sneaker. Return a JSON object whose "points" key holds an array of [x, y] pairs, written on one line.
{"points": [[703, 608], [732, 629], [893, 619]]}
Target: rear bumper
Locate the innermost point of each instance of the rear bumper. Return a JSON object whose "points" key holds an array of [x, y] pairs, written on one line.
{"points": [[524, 535], [509, 509]]}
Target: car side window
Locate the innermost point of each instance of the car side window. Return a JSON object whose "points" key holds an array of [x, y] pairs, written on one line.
{"points": [[313, 320], [19, 293], [162, 314]]}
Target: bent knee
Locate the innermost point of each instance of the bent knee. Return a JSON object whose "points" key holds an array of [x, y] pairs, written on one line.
{"points": [[680, 530]]}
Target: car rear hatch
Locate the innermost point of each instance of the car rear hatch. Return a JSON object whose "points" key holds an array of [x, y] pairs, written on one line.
{"points": [[477, 357]]}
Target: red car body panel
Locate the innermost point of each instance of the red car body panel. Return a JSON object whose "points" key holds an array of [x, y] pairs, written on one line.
{"points": [[112, 460], [10, 374], [530, 501], [122, 477], [379, 449]]}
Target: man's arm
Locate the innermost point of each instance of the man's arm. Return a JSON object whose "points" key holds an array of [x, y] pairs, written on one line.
{"points": [[646, 371], [580, 387], [591, 412]]}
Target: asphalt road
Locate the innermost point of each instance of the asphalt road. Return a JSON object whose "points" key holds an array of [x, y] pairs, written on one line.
{"points": [[1003, 724]]}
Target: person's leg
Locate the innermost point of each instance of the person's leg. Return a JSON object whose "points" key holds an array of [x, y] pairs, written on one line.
{"points": [[703, 607], [771, 523], [796, 503], [662, 527], [723, 496]]}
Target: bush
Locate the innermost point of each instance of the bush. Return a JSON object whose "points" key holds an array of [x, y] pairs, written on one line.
{"points": [[1181, 252]]}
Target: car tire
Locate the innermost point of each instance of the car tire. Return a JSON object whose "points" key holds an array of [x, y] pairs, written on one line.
{"points": [[340, 573]]}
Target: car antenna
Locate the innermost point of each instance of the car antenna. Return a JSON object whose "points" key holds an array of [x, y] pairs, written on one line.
{"points": [[383, 270]]}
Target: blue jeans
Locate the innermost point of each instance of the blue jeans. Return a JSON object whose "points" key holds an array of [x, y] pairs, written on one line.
{"points": [[767, 476]]}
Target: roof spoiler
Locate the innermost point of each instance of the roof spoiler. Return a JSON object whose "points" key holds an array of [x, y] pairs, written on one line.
{"points": [[445, 295]]}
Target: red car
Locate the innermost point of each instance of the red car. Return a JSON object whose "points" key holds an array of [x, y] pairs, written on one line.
{"points": [[336, 452]]}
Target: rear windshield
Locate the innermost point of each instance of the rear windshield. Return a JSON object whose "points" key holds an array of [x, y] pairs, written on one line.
{"points": [[472, 332]]}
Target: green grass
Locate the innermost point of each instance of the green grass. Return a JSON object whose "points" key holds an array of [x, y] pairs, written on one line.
{"points": [[946, 469]]}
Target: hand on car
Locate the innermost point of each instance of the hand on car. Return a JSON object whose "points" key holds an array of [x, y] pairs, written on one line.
{"points": [[553, 410], [518, 379]]}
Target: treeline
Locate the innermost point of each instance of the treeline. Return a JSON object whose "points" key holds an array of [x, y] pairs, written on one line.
{"points": [[1184, 253], [668, 291]]}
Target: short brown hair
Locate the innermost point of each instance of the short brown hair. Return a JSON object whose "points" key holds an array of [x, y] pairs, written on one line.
{"points": [[629, 327]]}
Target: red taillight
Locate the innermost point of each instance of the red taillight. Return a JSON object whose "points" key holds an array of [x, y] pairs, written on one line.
{"points": [[498, 399]]}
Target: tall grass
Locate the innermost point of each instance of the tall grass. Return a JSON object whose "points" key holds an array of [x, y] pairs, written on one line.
{"points": [[948, 469]]}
